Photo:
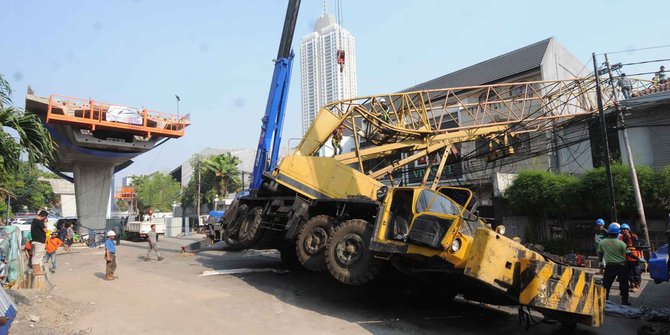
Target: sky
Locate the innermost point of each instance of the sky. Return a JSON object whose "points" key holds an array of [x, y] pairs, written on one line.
{"points": [[217, 55]]}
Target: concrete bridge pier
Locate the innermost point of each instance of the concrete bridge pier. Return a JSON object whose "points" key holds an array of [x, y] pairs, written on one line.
{"points": [[93, 186]]}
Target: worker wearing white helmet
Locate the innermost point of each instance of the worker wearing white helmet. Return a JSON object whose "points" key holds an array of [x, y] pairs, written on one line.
{"points": [[110, 255]]}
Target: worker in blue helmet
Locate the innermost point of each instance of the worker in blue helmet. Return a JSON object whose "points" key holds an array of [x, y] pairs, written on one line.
{"points": [[614, 252], [599, 233], [635, 271]]}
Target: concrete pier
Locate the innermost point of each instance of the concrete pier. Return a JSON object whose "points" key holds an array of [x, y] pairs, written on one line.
{"points": [[96, 140], [93, 189]]}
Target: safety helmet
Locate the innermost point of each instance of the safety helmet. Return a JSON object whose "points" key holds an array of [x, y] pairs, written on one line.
{"points": [[381, 100], [600, 222], [613, 228], [625, 226], [111, 233]]}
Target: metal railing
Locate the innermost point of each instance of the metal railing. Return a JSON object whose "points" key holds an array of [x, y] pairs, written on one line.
{"points": [[93, 114]]}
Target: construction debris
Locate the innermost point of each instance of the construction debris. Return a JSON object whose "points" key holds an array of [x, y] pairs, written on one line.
{"points": [[44, 314]]}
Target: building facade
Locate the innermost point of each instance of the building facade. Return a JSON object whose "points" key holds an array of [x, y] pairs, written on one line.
{"points": [[322, 80]]}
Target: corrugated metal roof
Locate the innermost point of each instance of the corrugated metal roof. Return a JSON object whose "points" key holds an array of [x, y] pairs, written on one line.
{"points": [[489, 71]]}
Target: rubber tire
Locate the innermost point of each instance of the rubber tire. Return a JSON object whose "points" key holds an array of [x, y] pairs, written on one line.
{"points": [[232, 226], [314, 262], [366, 267], [249, 231]]}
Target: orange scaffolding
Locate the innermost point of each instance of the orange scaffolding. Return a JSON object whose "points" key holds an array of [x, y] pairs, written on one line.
{"points": [[94, 115], [126, 193]]}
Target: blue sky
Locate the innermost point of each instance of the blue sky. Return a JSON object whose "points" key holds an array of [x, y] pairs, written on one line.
{"points": [[217, 55]]}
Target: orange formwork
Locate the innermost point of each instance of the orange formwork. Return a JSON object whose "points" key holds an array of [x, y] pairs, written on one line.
{"points": [[99, 115]]}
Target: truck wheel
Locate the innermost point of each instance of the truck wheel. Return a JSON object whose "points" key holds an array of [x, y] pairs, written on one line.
{"points": [[348, 254], [232, 224], [250, 231], [311, 243]]}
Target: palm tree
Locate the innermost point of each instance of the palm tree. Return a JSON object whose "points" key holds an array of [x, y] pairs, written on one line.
{"points": [[225, 170], [33, 138]]}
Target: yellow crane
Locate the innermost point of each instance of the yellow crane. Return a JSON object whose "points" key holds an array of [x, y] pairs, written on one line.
{"points": [[341, 214]]}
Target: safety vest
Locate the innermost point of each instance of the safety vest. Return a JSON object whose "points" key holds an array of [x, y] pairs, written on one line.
{"points": [[630, 246]]}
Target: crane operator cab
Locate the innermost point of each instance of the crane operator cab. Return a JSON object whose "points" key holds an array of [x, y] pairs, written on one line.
{"points": [[428, 222]]}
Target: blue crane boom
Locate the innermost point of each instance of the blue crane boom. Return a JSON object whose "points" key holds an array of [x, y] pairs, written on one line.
{"points": [[275, 109]]}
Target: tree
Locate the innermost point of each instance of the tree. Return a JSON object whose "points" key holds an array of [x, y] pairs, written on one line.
{"points": [[225, 171], [541, 195], [33, 138], [157, 191], [218, 176], [27, 189], [593, 189]]}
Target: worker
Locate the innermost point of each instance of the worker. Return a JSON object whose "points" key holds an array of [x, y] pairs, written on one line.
{"points": [[110, 256], [28, 251], [385, 116], [662, 78], [635, 271], [600, 233], [53, 243], [614, 252], [153, 244], [38, 232], [337, 140], [626, 86]]}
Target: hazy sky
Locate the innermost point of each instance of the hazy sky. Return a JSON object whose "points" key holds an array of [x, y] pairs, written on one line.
{"points": [[217, 55]]}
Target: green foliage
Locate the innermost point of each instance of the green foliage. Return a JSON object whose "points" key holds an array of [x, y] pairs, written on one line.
{"points": [[594, 189], [33, 138], [539, 193], [661, 189], [26, 189], [219, 175], [226, 174], [157, 191]]}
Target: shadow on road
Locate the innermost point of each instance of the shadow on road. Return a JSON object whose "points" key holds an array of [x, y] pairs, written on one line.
{"points": [[384, 306]]}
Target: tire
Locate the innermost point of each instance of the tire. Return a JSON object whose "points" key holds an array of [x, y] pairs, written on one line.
{"points": [[249, 231], [310, 245], [231, 225], [348, 254]]}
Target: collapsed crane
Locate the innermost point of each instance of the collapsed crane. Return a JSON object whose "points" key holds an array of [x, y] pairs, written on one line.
{"points": [[348, 217]]}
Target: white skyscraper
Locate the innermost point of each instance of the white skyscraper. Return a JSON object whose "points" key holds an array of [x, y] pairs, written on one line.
{"points": [[321, 79]]}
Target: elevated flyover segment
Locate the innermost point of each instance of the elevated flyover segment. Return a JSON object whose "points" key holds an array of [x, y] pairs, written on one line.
{"points": [[97, 139]]}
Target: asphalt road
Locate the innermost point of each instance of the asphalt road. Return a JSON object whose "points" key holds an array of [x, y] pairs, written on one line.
{"points": [[171, 297]]}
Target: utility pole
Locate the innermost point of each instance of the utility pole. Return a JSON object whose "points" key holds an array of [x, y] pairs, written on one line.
{"points": [[631, 161], [605, 142], [198, 209]]}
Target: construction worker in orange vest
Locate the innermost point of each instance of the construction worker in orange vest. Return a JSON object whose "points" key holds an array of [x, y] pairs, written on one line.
{"points": [[631, 240]]}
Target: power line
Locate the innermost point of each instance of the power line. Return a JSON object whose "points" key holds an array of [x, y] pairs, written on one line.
{"points": [[637, 49]]}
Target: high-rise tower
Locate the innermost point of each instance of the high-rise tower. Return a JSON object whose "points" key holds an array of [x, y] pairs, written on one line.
{"points": [[322, 81]]}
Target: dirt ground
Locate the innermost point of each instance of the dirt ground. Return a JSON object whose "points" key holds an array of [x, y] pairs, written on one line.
{"points": [[172, 297]]}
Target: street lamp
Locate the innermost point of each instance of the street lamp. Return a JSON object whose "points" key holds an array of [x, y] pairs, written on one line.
{"points": [[216, 203]]}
